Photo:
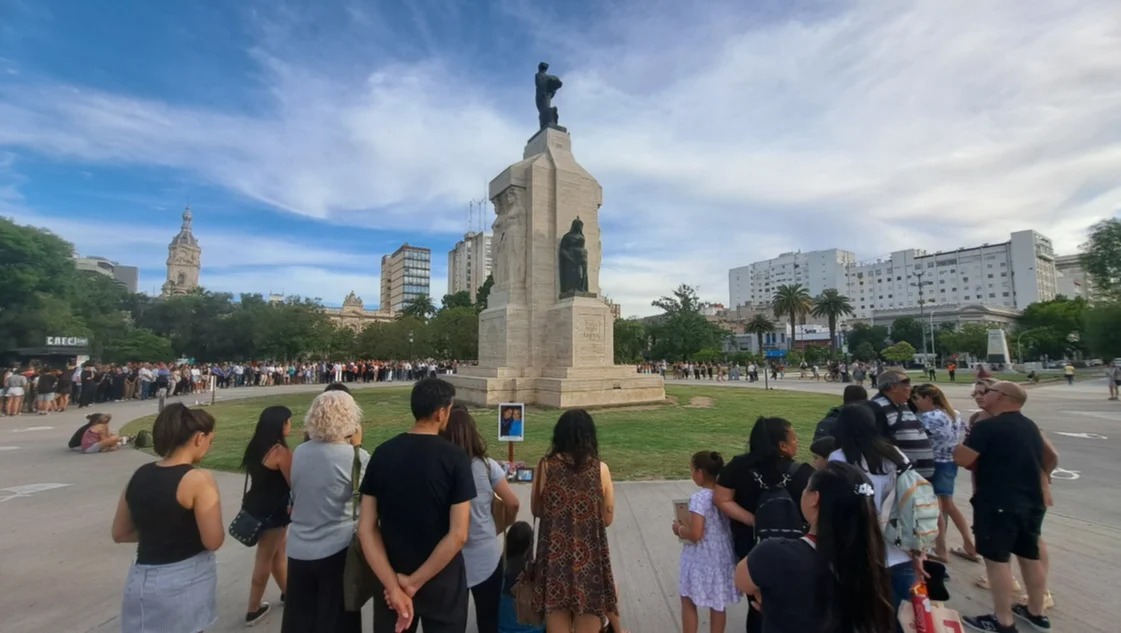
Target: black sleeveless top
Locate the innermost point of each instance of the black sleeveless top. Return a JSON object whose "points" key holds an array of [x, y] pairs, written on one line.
{"points": [[168, 531], [268, 491]]}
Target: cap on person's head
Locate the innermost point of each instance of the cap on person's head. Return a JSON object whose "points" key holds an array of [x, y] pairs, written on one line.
{"points": [[1010, 390], [892, 377], [823, 446]]}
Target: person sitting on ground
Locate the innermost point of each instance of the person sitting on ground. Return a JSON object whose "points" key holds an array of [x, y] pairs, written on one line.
{"points": [[519, 541], [852, 393], [96, 436]]}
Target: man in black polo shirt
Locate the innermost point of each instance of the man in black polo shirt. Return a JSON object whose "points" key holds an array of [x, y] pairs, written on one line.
{"points": [[1009, 457], [415, 516]]}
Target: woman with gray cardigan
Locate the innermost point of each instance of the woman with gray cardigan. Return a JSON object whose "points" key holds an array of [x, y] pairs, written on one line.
{"points": [[322, 523]]}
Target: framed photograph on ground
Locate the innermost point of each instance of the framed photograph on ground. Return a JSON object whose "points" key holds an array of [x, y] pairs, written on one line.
{"points": [[511, 422], [525, 475]]}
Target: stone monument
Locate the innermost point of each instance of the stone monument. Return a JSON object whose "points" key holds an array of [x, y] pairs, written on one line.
{"points": [[547, 336]]}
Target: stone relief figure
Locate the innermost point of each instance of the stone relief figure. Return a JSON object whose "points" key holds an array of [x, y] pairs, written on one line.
{"points": [[547, 87], [509, 231], [573, 261]]}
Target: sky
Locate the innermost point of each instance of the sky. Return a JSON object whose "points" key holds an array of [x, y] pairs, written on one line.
{"points": [[311, 138]]}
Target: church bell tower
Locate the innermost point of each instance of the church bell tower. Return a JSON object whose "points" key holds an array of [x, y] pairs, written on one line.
{"points": [[184, 259]]}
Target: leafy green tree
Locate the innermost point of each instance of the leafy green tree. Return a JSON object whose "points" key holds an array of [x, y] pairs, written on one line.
{"points": [[1103, 336], [875, 335], [864, 352], [1101, 257], [907, 329], [759, 325], [631, 341], [970, 338], [137, 345], [900, 352], [36, 274], [794, 301], [419, 307], [1053, 327], [455, 333], [682, 331], [832, 305], [461, 299], [483, 294]]}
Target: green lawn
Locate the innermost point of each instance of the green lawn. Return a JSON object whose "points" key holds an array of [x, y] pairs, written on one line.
{"points": [[638, 442]]}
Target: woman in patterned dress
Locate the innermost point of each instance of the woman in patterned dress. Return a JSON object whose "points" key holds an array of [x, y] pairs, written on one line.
{"points": [[575, 501]]}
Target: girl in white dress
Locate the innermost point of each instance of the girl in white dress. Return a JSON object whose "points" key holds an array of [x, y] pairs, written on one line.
{"points": [[707, 559]]}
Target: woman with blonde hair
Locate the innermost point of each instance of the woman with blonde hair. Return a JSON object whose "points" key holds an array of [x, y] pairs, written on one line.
{"points": [[946, 431], [323, 482]]}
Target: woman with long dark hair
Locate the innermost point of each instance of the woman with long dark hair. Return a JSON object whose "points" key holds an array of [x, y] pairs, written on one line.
{"points": [[861, 444], [575, 500], [268, 464], [172, 511], [769, 463], [833, 579], [482, 553]]}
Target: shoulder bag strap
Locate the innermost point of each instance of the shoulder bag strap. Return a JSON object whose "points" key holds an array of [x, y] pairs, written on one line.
{"points": [[355, 469], [245, 488]]}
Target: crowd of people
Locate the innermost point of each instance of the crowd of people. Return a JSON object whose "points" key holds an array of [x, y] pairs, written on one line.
{"points": [[824, 546], [44, 390]]}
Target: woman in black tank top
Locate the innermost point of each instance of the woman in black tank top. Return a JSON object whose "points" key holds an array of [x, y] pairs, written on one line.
{"points": [[268, 463], [172, 511]]}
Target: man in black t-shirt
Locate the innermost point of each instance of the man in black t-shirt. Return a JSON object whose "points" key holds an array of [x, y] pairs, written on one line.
{"points": [[1009, 457], [416, 498]]}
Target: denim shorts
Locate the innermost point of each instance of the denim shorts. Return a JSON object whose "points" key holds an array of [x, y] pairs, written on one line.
{"points": [[945, 473]]}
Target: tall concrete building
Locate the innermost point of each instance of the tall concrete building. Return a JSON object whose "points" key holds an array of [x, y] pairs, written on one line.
{"points": [[1071, 279], [469, 263], [405, 275], [755, 284], [184, 260], [127, 276], [1005, 276]]}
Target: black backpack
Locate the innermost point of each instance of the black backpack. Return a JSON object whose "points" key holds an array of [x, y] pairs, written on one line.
{"points": [[776, 513]]}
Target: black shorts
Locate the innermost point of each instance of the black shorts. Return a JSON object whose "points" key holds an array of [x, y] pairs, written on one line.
{"points": [[1001, 532]]}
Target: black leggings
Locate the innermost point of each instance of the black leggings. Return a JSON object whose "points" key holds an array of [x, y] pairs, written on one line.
{"points": [[487, 595], [314, 601]]}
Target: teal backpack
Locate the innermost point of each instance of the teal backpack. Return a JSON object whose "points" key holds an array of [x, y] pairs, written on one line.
{"points": [[909, 515]]}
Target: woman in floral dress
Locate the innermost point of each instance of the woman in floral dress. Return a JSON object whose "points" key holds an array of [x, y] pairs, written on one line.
{"points": [[575, 501]]}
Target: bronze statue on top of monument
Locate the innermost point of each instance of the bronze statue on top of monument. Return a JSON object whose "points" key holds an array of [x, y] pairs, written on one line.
{"points": [[573, 258], [547, 87]]}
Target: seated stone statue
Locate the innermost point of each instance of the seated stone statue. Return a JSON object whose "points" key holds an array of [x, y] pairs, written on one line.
{"points": [[573, 260]]}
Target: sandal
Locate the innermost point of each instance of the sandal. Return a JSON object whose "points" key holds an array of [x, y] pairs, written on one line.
{"points": [[961, 553]]}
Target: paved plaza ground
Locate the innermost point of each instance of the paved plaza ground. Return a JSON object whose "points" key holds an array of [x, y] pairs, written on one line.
{"points": [[61, 572]]}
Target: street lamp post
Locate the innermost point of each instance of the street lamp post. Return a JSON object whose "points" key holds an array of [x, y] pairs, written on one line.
{"points": [[410, 346], [922, 303]]}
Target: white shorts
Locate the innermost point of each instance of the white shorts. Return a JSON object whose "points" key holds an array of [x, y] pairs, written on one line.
{"points": [[15, 392]]}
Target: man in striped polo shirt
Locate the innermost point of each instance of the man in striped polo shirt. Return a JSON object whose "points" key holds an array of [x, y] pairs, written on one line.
{"points": [[899, 424]]}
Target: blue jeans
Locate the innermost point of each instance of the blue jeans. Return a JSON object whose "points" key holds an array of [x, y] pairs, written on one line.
{"points": [[902, 579]]}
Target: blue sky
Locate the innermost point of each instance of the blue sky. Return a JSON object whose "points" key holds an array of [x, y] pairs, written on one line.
{"points": [[310, 138]]}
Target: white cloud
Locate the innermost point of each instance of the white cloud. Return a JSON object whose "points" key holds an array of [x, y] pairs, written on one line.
{"points": [[721, 137]]}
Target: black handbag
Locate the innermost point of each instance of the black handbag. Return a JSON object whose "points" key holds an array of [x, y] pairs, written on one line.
{"points": [[245, 528]]}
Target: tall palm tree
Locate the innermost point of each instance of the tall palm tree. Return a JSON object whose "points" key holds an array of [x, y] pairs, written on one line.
{"points": [[759, 325], [420, 306], [794, 301], [832, 305]]}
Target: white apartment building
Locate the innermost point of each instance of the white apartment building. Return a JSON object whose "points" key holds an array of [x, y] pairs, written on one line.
{"points": [[1071, 279], [1008, 275], [127, 276], [756, 283], [469, 263]]}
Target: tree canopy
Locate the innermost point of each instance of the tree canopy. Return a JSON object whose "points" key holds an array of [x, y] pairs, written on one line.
{"points": [[1101, 258], [832, 305], [794, 301], [682, 331], [1052, 328]]}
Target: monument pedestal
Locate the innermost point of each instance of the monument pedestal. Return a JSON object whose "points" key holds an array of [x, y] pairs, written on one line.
{"points": [[537, 345]]}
